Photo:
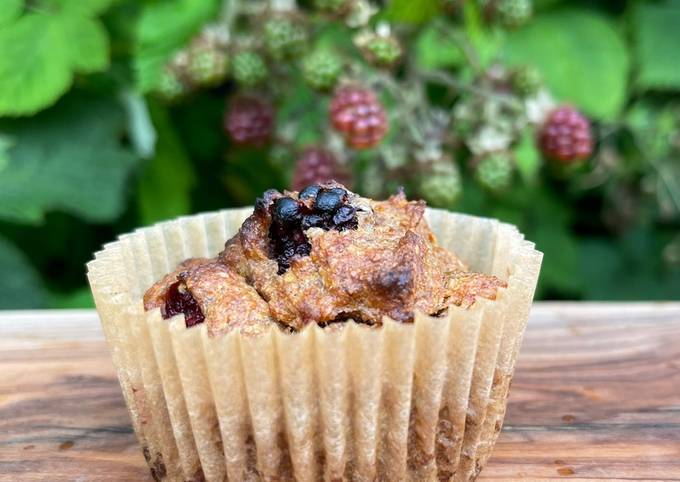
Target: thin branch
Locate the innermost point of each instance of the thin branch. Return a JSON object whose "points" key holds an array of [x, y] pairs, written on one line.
{"points": [[443, 78]]}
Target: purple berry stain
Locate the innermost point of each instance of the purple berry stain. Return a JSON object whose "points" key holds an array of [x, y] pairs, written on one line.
{"points": [[178, 300]]}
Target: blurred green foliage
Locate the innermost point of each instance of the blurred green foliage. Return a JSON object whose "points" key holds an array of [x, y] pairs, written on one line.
{"points": [[88, 151]]}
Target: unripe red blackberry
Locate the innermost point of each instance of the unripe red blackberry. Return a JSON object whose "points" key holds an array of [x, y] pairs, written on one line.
{"points": [[566, 136], [249, 121], [359, 116], [317, 165]]}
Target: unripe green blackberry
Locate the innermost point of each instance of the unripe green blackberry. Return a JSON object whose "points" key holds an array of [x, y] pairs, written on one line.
{"points": [[514, 13], [207, 65], [284, 38], [171, 87], [526, 80], [321, 69], [382, 51], [494, 172], [442, 186], [249, 68]]}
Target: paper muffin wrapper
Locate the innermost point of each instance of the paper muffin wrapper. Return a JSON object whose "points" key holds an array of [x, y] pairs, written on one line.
{"points": [[421, 401]]}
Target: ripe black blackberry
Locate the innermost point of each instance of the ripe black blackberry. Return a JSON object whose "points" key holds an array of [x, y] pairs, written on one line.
{"points": [[316, 207]]}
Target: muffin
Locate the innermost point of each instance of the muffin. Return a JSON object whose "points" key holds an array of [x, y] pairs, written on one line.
{"points": [[332, 337]]}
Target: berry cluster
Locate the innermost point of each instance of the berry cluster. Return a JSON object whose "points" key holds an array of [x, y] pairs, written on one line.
{"points": [[249, 121], [316, 207], [566, 136], [317, 165], [284, 38], [358, 115], [178, 300]]}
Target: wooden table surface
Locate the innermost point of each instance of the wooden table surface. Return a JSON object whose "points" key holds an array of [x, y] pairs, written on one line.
{"points": [[596, 397]]}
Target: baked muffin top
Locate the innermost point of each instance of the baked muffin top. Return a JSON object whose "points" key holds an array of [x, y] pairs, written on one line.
{"points": [[322, 255]]}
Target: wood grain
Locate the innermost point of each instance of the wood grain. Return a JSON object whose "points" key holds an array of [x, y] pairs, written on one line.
{"points": [[596, 396]]}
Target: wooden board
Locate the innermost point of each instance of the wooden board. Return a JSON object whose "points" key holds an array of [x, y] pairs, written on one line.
{"points": [[596, 397]]}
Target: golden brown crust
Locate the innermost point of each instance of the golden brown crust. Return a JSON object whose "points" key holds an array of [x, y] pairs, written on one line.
{"points": [[226, 300], [390, 265]]}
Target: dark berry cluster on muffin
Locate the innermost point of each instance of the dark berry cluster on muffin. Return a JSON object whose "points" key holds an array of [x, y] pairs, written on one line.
{"points": [[322, 255], [315, 207]]}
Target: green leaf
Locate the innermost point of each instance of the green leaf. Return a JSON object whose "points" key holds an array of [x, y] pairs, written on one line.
{"points": [[561, 255], [41, 54], [412, 11], [164, 28], [434, 50], [91, 52], [582, 56], [20, 285], [5, 143], [165, 186], [654, 126], [10, 11], [86, 7], [80, 298], [527, 157], [484, 41], [67, 158], [657, 39]]}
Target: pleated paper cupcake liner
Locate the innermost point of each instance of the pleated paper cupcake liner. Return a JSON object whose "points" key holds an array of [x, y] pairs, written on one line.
{"points": [[421, 401]]}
